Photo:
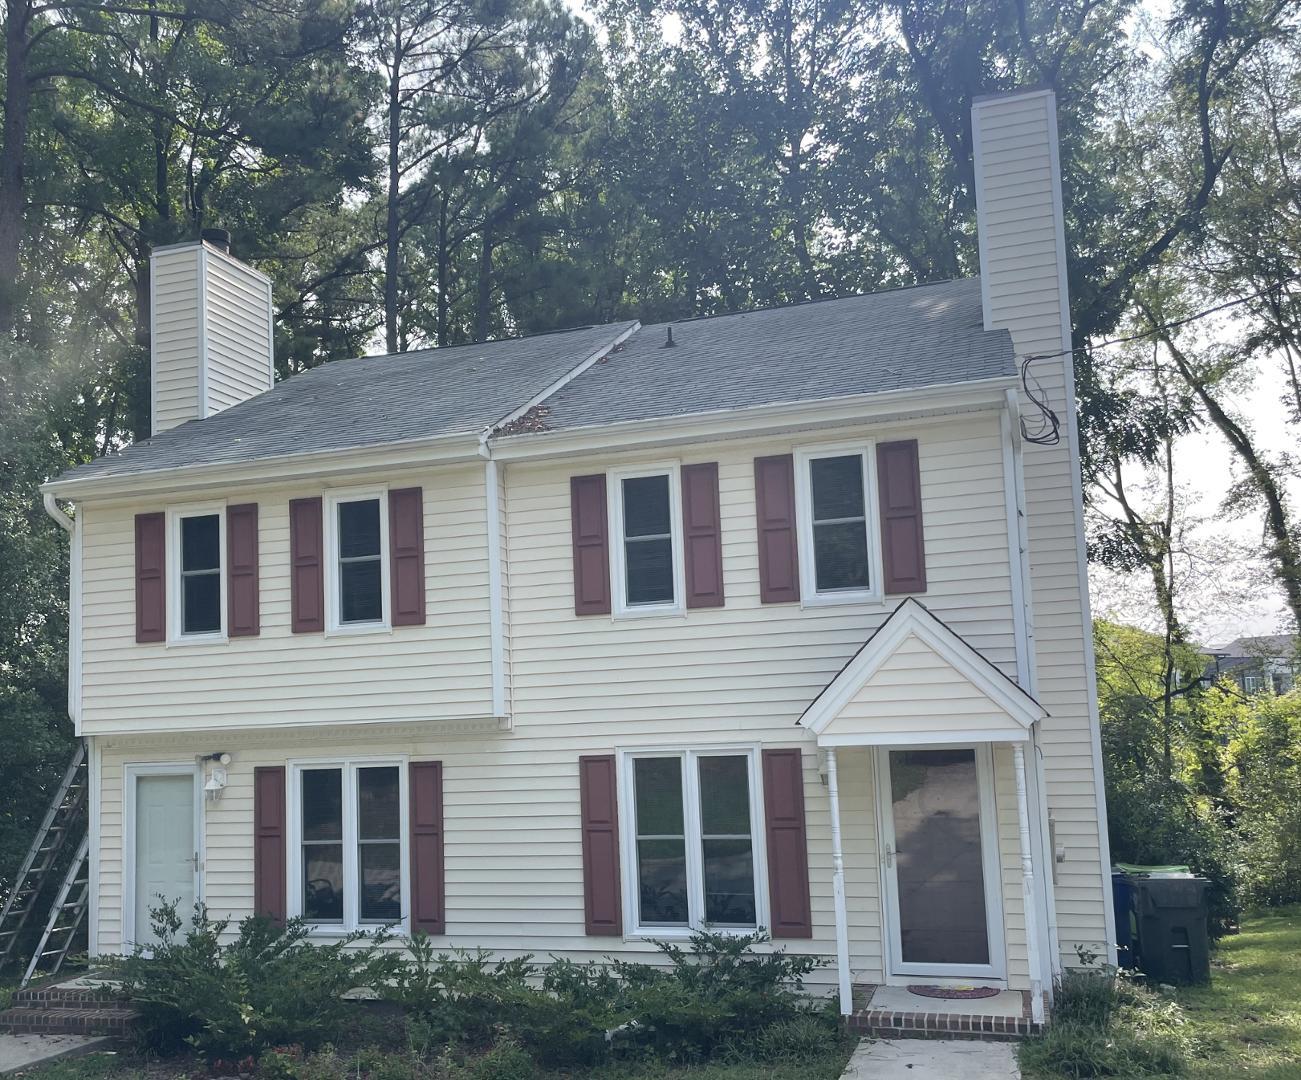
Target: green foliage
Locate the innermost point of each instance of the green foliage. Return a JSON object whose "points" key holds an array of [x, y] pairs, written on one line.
{"points": [[1103, 1025], [267, 987]]}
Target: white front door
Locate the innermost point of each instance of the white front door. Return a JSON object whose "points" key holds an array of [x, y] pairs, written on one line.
{"points": [[165, 849], [939, 848]]}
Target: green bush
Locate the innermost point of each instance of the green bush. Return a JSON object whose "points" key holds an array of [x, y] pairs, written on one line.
{"points": [[1104, 1025], [268, 987]]}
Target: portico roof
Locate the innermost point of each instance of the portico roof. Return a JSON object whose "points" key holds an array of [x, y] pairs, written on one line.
{"points": [[916, 681]]}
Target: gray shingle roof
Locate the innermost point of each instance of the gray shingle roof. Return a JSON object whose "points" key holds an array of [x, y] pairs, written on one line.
{"points": [[904, 339], [369, 401], [907, 338]]}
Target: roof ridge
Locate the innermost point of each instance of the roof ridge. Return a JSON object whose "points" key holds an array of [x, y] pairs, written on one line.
{"points": [[816, 300]]}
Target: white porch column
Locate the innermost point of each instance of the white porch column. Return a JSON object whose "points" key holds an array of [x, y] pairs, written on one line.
{"points": [[1029, 901], [838, 890]]}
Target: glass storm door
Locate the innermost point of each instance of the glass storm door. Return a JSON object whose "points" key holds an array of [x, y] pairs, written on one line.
{"points": [[939, 854]]}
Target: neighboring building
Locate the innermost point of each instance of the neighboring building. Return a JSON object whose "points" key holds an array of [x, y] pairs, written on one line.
{"points": [[1258, 665], [562, 644]]}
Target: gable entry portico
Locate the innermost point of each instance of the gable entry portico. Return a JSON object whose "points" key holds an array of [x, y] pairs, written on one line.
{"points": [[932, 710]]}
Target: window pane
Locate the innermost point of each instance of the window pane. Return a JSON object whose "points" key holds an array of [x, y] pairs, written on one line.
{"points": [[840, 556], [323, 882], [201, 603], [724, 796], [650, 571], [662, 881], [377, 803], [729, 882], [659, 796], [323, 804], [358, 528], [381, 882], [200, 543], [646, 506], [359, 592], [837, 487]]}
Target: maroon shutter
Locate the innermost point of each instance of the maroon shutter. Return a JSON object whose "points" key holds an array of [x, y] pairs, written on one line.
{"points": [[591, 547], [779, 563], [151, 577], [406, 538], [902, 542], [598, 795], [242, 615], [269, 842], [702, 535], [788, 858], [428, 894], [306, 566]]}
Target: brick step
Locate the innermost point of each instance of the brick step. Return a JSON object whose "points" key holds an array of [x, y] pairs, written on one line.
{"points": [[110, 1019], [882, 1024], [63, 997]]}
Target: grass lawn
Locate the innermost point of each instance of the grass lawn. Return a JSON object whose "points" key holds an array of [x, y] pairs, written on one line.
{"points": [[1249, 1019], [116, 1067]]}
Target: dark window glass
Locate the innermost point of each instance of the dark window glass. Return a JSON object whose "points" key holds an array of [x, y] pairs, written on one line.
{"points": [[358, 528], [361, 579], [661, 842], [839, 523], [379, 853], [381, 882], [727, 849], [378, 812], [659, 796], [322, 818], [201, 542], [201, 574], [359, 592], [648, 540], [201, 603]]}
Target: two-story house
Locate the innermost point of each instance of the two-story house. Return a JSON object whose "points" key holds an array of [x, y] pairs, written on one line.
{"points": [[562, 644]]}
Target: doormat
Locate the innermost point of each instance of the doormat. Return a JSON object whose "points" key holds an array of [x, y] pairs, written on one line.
{"points": [[955, 993]]}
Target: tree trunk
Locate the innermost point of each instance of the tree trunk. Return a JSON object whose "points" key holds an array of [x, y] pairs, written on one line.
{"points": [[483, 296], [393, 224], [13, 152], [444, 257]]}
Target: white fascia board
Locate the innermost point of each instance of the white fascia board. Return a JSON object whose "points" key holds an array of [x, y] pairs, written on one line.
{"points": [[911, 618], [438, 450], [982, 395]]}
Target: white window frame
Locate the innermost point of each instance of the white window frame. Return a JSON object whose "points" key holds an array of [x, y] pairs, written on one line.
{"points": [[333, 602], [809, 594], [618, 562], [695, 858], [351, 862], [175, 579]]}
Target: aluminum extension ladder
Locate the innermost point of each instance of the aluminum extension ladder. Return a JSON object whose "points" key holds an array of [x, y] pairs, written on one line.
{"points": [[65, 916], [65, 818]]}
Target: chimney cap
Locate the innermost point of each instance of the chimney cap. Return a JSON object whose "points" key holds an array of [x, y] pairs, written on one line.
{"points": [[218, 238]]}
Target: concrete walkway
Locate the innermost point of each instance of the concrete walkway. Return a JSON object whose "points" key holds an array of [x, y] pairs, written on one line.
{"points": [[932, 1059], [24, 1051]]}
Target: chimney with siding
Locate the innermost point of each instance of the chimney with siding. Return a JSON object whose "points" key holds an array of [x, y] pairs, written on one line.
{"points": [[211, 331], [1022, 244]]}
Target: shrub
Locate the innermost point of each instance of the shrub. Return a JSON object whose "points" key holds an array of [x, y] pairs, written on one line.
{"points": [[505, 1061], [803, 1038], [268, 987]]}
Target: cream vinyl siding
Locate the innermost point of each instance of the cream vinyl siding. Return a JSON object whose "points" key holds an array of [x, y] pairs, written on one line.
{"points": [[1021, 268], [238, 332], [437, 671], [513, 847], [175, 336]]}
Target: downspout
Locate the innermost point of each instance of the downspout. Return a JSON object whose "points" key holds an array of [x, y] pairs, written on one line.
{"points": [[496, 610], [55, 511]]}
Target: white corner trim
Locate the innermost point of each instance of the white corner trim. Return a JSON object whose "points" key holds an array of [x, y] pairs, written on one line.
{"points": [[911, 618], [202, 407], [153, 342], [94, 788], [496, 608]]}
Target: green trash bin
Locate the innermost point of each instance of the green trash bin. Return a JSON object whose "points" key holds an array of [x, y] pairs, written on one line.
{"points": [[1174, 943]]}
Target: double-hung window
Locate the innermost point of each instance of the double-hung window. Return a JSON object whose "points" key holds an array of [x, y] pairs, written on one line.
{"points": [[197, 541], [358, 572], [646, 539], [350, 844], [693, 852], [839, 553]]}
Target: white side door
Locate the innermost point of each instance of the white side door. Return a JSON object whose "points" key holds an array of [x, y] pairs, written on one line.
{"points": [[165, 848]]}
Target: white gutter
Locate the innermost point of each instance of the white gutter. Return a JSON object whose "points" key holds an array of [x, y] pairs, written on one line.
{"points": [[70, 526]]}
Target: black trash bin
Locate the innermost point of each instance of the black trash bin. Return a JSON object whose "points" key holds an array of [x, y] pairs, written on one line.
{"points": [[1174, 944]]}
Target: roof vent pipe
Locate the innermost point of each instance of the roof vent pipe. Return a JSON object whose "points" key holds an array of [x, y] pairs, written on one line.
{"points": [[669, 343], [218, 238]]}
